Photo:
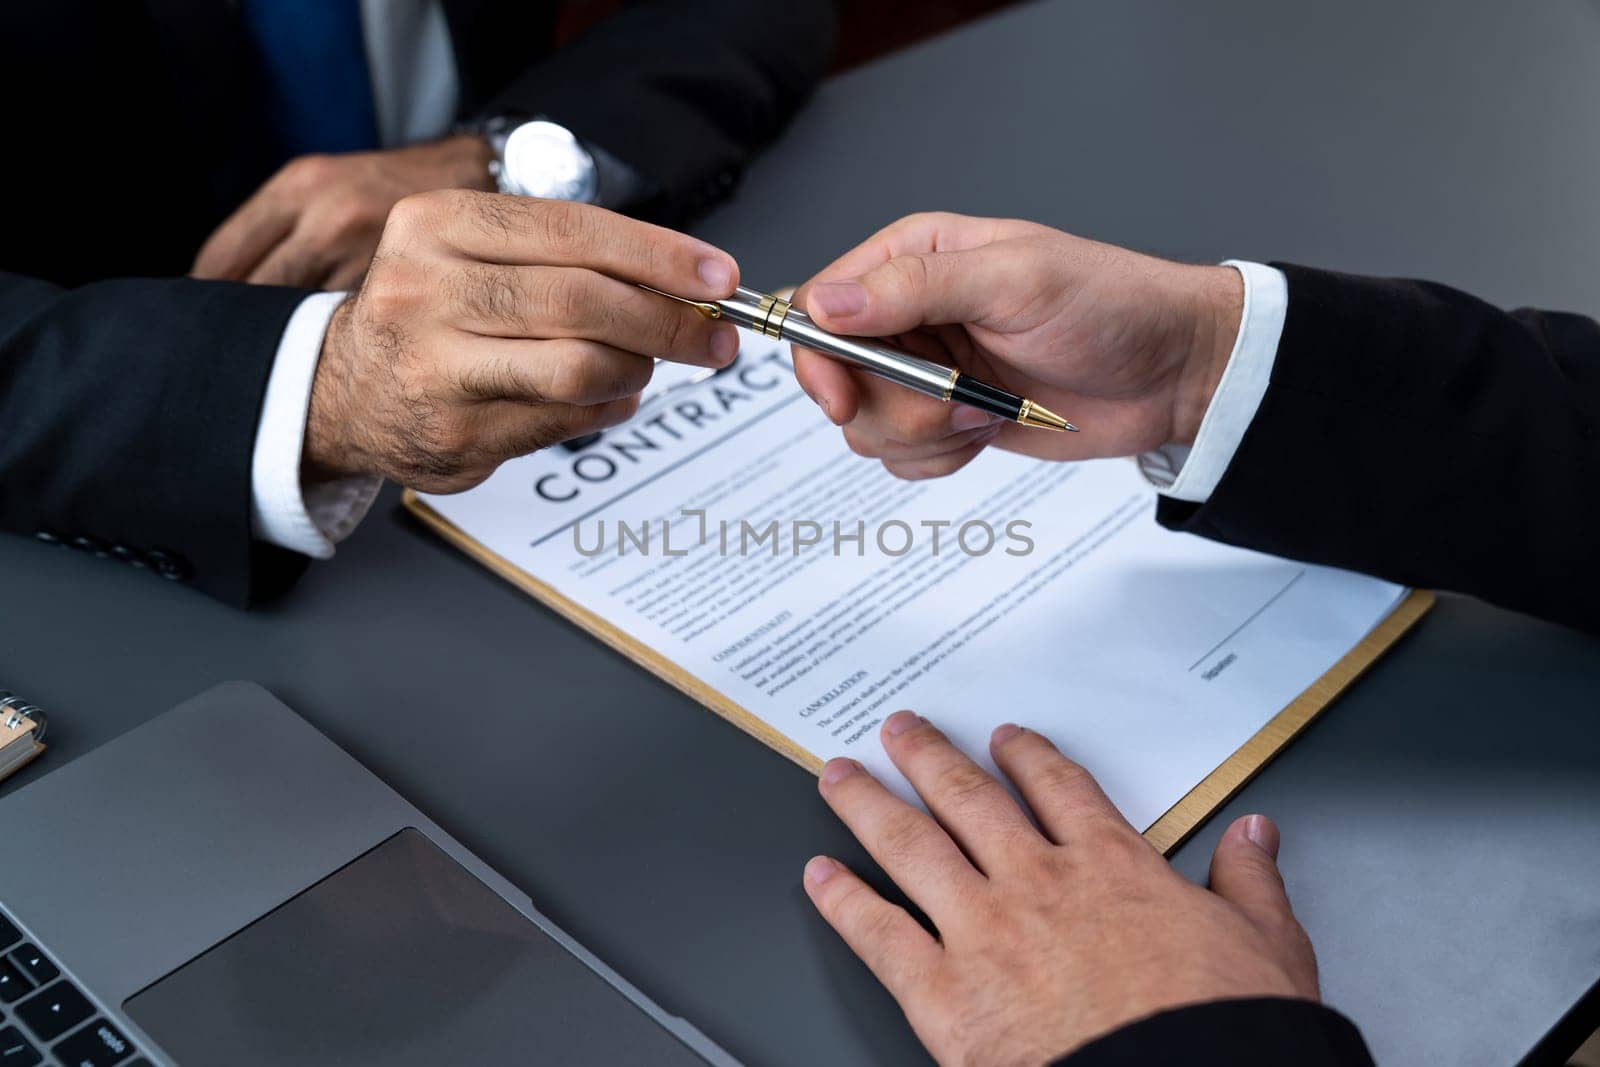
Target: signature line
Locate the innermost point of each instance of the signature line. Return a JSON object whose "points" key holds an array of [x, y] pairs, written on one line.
{"points": [[1301, 573]]}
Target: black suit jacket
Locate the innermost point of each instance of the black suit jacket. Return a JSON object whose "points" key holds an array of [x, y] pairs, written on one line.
{"points": [[128, 407], [1264, 1032], [1417, 433]]}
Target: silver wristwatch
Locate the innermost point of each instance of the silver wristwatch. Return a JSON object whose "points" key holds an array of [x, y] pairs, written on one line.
{"points": [[536, 157]]}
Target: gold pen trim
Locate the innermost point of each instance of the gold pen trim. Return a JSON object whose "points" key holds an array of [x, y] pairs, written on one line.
{"points": [[950, 386], [710, 311], [768, 307], [1041, 417]]}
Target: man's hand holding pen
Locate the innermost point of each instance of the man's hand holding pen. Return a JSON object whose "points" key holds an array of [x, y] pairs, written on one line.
{"points": [[491, 326], [1128, 346]]}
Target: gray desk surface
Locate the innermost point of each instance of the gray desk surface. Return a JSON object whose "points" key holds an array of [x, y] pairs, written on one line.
{"points": [[1440, 822]]}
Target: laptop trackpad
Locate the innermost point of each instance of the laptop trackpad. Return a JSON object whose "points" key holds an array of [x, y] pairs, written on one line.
{"points": [[400, 957]]}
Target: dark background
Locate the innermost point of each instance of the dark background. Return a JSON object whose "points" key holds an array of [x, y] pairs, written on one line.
{"points": [[867, 28]]}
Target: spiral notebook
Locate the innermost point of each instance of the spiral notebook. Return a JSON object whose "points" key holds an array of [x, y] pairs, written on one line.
{"points": [[21, 732]]}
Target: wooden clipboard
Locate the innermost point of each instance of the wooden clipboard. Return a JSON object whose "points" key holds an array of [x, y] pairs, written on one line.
{"points": [[1166, 833]]}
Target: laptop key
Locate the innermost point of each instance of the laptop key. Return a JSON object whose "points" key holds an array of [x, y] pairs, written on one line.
{"points": [[54, 1010], [13, 986], [9, 934], [32, 963], [97, 1045], [15, 1050]]}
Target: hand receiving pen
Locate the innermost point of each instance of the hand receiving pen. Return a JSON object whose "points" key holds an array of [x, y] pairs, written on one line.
{"points": [[775, 317]]}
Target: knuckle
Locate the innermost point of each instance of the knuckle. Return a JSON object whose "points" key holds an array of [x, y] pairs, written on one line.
{"points": [[929, 219], [492, 214], [1039, 862], [1112, 840], [1062, 776], [916, 742], [561, 299], [652, 257], [562, 227], [500, 378], [918, 222], [572, 376], [587, 378], [413, 214], [1267, 871], [489, 294], [875, 923], [961, 783], [672, 328], [901, 833], [456, 202], [394, 289], [908, 274], [308, 171], [851, 900]]}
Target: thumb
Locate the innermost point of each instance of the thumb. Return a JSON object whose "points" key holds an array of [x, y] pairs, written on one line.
{"points": [[1244, 872], [903, 293]]}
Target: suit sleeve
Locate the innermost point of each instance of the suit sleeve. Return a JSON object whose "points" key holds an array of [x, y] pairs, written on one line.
{"points": [[1266, 1032], [1414, 432], [685, 92], [128, 413]]}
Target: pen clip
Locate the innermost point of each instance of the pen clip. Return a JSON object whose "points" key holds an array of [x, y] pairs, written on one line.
{"points": [[710, 311]]}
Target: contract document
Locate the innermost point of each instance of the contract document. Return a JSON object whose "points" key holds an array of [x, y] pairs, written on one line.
{"points": [[729, 538]]}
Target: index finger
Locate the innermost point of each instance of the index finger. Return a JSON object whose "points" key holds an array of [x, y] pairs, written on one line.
{"points": [[524, 231], [242, 241], [910, 847], [833, 386], [928, 231]]}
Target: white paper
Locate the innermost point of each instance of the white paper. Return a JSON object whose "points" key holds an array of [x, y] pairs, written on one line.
{"points": [[1148, 656]]}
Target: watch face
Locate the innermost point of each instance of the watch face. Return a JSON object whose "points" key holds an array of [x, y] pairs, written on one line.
{"points": [[544, 159]]}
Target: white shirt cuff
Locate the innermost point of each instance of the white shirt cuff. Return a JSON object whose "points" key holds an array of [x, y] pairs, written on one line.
{"points": [[1192, 472], [282, 512]]}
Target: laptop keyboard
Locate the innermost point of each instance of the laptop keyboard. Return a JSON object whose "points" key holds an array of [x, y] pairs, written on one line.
{"points": [[44, 1019]]}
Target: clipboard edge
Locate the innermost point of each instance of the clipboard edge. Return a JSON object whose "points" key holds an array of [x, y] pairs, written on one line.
{"points": [[1179, 822]]}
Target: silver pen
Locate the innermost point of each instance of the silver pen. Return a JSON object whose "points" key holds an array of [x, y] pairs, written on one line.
{"points": [[773, 316]]}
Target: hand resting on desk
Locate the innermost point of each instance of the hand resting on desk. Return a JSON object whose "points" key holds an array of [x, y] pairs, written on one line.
{"points": [[1049, 933]]}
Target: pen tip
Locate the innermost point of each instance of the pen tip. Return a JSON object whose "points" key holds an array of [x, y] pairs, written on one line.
{"points": [[1034, 414]]}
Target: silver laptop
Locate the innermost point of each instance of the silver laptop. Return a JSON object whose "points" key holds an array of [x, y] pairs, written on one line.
{"points": [[223, 885]]}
